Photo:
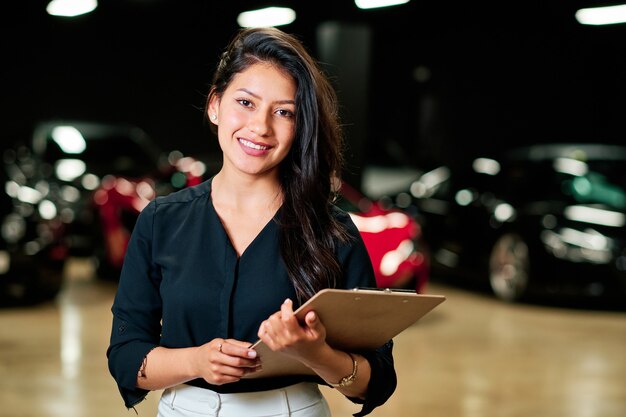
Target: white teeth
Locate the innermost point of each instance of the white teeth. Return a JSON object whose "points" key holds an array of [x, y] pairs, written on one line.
{"points": [[249, 144]]}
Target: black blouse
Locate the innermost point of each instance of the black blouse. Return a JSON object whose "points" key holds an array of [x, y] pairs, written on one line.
{"points": [[182, 285]]}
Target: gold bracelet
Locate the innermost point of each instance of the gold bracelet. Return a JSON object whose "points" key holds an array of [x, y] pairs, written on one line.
{"points": [[347, 380]]}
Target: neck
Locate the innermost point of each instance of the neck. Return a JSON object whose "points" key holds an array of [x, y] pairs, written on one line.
{"points": [[246, 192]]}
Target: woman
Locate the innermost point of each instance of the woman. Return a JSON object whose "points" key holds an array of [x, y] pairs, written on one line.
{"points": [[214, 267]]}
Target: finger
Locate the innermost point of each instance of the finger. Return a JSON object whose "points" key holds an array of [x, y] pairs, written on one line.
{"points": [[226, 374], [265, 335], [314, 324], [285, 319], [239, 348], [311, 319], [242, 348], [234, 365], [218, 344], [264, 330], [286, 309]]}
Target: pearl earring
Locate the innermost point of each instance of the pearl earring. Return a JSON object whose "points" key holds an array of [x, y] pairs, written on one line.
{"points": [[214, 116]]}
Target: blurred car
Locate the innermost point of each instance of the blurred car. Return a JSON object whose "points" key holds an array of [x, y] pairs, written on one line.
{"points": [[73, 163], [32, 249], [545, 219], [393, 240]]}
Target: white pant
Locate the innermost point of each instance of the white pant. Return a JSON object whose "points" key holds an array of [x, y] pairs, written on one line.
{"points": [[299, 400]]}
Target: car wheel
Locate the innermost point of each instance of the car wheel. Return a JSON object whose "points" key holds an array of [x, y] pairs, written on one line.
{"points": [[509, 267]]}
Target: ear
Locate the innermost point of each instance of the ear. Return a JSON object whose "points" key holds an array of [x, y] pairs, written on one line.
{"points": [[213, 109]]}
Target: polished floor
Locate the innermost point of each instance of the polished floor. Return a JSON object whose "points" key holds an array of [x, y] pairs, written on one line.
{"points": [[471, 357]]}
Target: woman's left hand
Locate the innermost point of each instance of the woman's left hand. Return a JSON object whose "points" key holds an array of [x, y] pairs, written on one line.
{"points": [[306, 342], [282, 332]]}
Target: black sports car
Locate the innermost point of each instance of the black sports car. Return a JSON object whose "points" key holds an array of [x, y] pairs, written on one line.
{"points": [[549, 217]]}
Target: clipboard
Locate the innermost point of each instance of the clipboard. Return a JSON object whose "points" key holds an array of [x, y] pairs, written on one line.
{"points": [[356, 319]]}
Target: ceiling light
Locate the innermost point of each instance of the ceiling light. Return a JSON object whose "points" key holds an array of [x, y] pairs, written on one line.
{"points": [[602, 15], [486, 166], [373, 4], [270, 16], [69, 139], [71, 8]]}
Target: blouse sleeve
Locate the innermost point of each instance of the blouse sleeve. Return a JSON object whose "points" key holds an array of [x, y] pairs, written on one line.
{"points": [[136, 311], [358, 272]]}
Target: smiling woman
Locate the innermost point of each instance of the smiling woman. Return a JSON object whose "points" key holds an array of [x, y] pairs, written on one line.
{"points": [[221, 264]]}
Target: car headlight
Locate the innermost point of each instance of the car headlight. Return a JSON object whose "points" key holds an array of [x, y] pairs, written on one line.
{"points": [[13, 228]]}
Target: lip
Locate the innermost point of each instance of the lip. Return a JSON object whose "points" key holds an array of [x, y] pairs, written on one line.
{"points": [[253, 148]]}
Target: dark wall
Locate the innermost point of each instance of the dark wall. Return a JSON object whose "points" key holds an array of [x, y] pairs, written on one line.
{"points": [[517, 74], [441, 78]]}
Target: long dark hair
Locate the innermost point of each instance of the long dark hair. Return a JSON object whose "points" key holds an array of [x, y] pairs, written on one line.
{"points": [[308, 230]]}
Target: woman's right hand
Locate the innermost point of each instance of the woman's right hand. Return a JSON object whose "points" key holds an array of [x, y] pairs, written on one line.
{"points": [[222, 361]]}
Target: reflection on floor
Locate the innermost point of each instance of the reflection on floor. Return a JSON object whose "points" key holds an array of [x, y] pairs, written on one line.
{"points": [[471, 357]]}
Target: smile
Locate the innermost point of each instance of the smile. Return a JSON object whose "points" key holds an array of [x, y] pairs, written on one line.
{"points": [[251, 145]]}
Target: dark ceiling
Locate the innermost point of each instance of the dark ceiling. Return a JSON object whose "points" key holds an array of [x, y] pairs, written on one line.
{"points": [[518, 73]]}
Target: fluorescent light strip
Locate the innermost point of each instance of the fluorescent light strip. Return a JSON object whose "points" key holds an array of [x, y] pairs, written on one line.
{"points": [[373, 4], [270, 16], [594, 215], [602, 15], [71, 8]]}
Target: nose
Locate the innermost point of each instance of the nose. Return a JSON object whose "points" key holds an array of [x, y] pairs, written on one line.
{"points": [[260, 123]]}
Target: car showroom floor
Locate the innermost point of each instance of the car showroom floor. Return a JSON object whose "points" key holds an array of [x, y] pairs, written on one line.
{"points": [[472, 356]]}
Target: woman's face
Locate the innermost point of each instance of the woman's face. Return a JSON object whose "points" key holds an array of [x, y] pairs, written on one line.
{"points": [[255, 117]]}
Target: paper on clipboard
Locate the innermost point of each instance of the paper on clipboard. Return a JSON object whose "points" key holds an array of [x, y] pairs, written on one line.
{"points": [[355, 320]]}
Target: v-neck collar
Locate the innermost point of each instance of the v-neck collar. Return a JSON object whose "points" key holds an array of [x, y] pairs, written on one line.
{"points": [[270, 223]]}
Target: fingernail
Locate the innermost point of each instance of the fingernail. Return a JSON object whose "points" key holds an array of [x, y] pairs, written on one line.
{"points": [[286, 301], [252, 353]]}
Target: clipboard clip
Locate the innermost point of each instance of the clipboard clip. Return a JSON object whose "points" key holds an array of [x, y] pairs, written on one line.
{"points": [[385, 290]]}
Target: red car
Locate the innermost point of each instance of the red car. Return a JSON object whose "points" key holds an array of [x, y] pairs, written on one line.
{"points": [[119, 200], [393, 240]]}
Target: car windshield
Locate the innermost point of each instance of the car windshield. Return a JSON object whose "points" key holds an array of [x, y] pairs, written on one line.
{"points": [[587, 178], [605, 183]]}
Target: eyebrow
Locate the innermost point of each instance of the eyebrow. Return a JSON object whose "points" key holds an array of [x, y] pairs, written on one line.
{"points": [[245, 90]]}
